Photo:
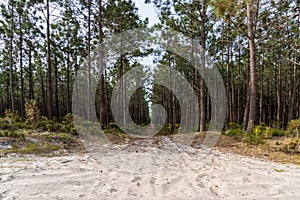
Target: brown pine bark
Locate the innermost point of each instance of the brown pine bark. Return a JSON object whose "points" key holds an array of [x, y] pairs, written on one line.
{"points": [[31, 90], [292, 93], [278, 93], [49, 76], [261, 118], [68, 80], [56, 89], [21, 65], [89, 61], [252, 81], [11, 87], [102, 117], [202, 83]]}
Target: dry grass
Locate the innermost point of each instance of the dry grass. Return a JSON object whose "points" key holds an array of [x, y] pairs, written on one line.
{"points": [[272, 149]]}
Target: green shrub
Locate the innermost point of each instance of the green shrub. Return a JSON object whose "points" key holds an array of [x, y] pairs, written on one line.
{"points": [[63, 129], [293, 146], [262, 130], [5, 124], [254, 139], [53, 126], [277, 132], [234, 125], [13, 116], [10, 134], [67, 119], [73, 131], [294, 126], [258, 134], [23, 125], [234, 132], [6, 133], [41, 125]]}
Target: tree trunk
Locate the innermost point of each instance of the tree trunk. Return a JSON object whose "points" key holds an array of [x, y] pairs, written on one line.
{"points": [[11, 87], [239, 89], [68, 80], [102, 118], [56, 89], [49, 76], [21, 66], [31, 90], [44, 107], [89, 107], [278, 93], [170, 100], [292, 93], [229, 80], [261, 92], [252, 83], [202, 83]]}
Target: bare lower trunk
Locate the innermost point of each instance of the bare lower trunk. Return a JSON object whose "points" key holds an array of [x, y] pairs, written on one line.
{"points": [[21, 67], [292, 93], [202, 83], [252, 83], [102, 117], [89, 63], [11, 87], [49, 75], [31, 90]]}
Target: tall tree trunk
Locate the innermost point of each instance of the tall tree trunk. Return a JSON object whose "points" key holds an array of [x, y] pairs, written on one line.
{"points": [[229, 80], [278, 93], [261, 118], [56, 90], [229, 87], [49, 76], [232, 88], [8, 95], [11, 87], [292, 92], [101, 62], [239, 89], [89, 107], [170, 100], [31, 90], [68, 80], [246, 113], [202, 83], [44, 106], [21, 66], [252, 81]]}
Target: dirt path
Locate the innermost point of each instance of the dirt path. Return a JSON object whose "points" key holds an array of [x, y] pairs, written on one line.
{"points": [[81, 176]]}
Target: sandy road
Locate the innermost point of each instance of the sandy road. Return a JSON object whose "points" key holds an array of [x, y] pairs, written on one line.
{"points": [[81, 176]]}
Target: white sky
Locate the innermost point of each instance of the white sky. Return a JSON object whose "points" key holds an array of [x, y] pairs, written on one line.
{"points": [[147, 10]]}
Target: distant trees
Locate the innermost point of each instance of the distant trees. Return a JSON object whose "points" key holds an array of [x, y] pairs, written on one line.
{"points": [[254, 44], [251, 43], [47, 41]]}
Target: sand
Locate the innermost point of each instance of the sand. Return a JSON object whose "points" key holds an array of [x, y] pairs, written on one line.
{"points": [[189, 176]]}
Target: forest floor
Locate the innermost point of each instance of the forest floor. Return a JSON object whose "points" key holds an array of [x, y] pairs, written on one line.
{"points": [[57, 166]]}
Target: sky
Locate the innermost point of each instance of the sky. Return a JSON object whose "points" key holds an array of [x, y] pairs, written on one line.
{"points": [[147, 10]]}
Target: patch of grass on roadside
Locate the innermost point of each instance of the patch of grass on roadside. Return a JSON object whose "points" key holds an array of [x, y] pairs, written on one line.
{"points": [[11, 134], [34, 148], [278, 170]]}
